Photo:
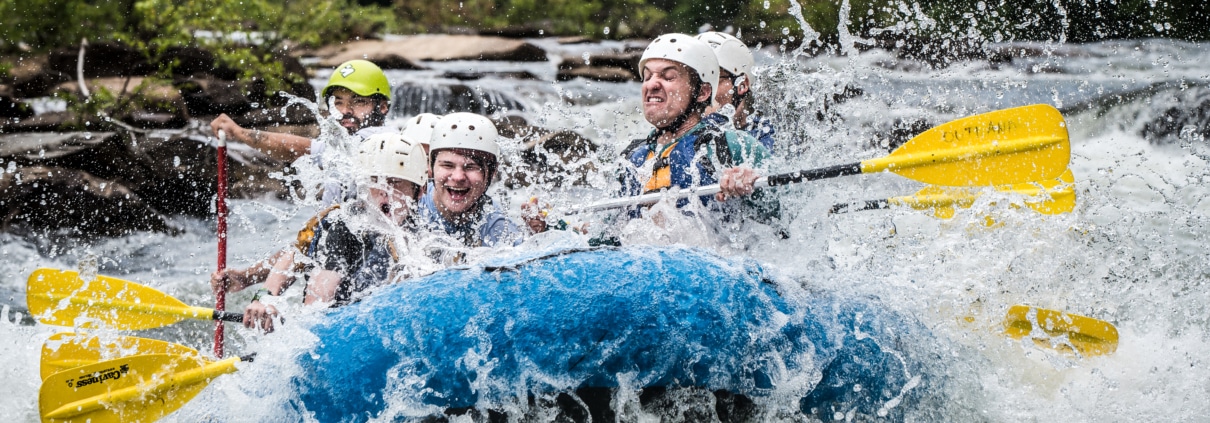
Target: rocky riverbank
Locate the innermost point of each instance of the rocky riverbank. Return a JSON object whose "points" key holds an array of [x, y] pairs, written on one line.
{"points": [[78, 172]]}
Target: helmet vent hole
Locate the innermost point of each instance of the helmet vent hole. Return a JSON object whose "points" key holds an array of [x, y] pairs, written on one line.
{"points": [[472, 127], [454, 126]]}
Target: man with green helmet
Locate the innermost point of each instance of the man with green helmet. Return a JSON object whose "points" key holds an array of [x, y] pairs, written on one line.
{"points": [[357, 92]]}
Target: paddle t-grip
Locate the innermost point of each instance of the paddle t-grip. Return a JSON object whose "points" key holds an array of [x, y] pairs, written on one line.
{"points": [[815, 174]]}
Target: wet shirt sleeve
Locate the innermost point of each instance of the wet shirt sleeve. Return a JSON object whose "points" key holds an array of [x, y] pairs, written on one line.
{"points": [[763, 205]]}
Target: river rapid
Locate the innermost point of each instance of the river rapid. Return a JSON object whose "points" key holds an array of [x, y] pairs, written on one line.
{"points": [[1132, 252]]}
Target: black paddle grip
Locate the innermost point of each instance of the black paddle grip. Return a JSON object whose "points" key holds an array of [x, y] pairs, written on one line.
{"points": [[228, 316], [814, 174], [868, 205]]}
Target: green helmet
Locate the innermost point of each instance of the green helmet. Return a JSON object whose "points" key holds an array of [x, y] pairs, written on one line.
{"points": [[361, 77]]}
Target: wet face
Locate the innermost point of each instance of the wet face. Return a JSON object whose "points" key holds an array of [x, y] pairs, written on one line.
{"points": [[354, 110], [458, 183], [726, 90], [394, 197], [667, 87]]}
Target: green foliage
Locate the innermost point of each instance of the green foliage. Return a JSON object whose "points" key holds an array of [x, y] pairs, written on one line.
{"points": [[249, 36], [48, 24], [773, 19], [1067, 20], [89, 109], [590, 18]]}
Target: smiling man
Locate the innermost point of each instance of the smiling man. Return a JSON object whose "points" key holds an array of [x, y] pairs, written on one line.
{"points": [[358, 93], [464, 158], [680, 74]]}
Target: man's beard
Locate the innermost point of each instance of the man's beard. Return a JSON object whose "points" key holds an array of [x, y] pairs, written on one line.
{"points": [[357, 123], [374, 119]]}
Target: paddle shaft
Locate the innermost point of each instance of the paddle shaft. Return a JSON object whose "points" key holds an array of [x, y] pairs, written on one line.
{"points": [[867, 205], [220, 300], [762, 182], [894, 163], [1028, 143]]}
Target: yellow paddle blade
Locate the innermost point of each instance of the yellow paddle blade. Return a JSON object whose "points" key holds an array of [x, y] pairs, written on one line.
{"points": [[1003, 147], [941, 200], [1061, 331], [131, 389], [1058, 195], [1055, 196], [62, 298], [67, 350]]}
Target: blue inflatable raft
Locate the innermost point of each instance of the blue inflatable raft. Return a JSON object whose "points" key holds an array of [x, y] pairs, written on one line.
{"points": [[634, 318]]}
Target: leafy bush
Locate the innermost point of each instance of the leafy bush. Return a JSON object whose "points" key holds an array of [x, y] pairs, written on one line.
{"points": [[246, 35], [623, 18]]}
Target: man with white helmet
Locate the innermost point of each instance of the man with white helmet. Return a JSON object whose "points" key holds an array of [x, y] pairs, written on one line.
{"points": [[352, 246], [679, 75], [419, 129], [359, 94], [464, 159], [735, 87]]}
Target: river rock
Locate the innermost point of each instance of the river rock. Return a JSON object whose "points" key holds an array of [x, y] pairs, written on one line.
{"points": [[149, 102], [32, 77], [444, 98], [208, 96], [72, 202], [173, 174], [28, 148], [597, 73], [294, 115], [607, 67], [101, 60], [1187, 123], [11, 108], [550, 158], [433, 47], [472, 76]]}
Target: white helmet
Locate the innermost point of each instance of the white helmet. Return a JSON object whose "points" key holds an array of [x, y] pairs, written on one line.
{"points": [[691, 52], [420, 128], [465, 130], [392, 155], [733, 56]]}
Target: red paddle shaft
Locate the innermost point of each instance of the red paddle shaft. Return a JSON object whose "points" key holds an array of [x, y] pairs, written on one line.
{"points": [[221, 207]]}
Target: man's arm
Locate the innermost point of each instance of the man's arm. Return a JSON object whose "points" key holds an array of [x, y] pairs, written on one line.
{"points": [[322, 287], [739, 181], [280, 146]]}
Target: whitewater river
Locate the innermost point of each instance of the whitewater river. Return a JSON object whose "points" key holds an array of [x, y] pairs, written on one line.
{"points": [[1133, 251]]}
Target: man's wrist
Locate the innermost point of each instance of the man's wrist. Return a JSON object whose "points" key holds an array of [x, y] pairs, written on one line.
{"points": [[260, 293]]}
